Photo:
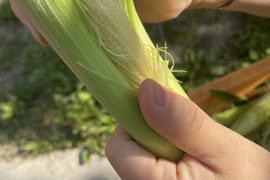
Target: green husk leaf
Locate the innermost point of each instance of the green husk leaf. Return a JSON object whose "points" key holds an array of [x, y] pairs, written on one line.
{"points": [[64, 26], [229, 116], [233, 100], [255, 117]]}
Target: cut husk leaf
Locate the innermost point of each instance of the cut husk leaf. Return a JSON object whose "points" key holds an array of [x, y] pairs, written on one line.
{"points": [[253, 118]]}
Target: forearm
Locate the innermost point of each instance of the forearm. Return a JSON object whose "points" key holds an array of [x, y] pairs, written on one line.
{"points": [[255, 7]]}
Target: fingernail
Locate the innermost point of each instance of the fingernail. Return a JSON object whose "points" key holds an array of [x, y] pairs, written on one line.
{"points": [[159, 95]]}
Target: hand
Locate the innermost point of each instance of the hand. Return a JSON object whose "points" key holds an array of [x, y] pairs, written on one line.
{"points": [[24, 19], [155, 11], [212, 150]]}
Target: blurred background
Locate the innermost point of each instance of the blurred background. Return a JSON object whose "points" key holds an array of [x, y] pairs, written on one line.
{"points": [[43, 106]]}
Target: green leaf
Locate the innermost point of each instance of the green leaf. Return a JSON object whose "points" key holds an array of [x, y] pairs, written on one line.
{"points": [[232, 99], [6, 111], [85, 156], [84, 96], [30, 146]]}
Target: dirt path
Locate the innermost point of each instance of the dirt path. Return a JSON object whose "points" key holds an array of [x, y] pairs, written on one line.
{"points": [[57, 165]]}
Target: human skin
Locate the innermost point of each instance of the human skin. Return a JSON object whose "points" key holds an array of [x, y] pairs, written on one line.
{"points": [[24, 19], [155, 11], [212, 150]]}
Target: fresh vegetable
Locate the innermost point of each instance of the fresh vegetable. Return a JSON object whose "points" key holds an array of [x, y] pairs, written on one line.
{"points": [[255, 117], [229, 116], [247, 118], [104, 43]]}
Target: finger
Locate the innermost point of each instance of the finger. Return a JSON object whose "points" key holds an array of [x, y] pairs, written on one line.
{"points": [[131, 161], [27, 23], [188, 127], [156, 11]]}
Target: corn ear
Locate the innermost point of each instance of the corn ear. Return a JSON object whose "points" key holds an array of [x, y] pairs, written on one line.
{"points": [[229, 116], [96, 40], [255, 117], [171, 82]]}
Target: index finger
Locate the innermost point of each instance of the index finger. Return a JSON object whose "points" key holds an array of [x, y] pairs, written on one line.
{"points": [[27, 23]]}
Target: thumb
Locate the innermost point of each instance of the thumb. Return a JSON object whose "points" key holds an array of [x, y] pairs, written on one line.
{"points": [[185, 125]]}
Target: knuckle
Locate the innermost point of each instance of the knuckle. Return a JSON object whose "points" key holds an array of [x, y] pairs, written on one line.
{"points": [[190, 121], [195, 119], [195, 122]]}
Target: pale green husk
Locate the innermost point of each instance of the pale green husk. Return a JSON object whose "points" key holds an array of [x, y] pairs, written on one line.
{"points": [[99, 43], [254, 117], [251, 120]]}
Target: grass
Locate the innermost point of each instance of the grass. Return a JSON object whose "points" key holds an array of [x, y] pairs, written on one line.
{"points": [[47, 108]]}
